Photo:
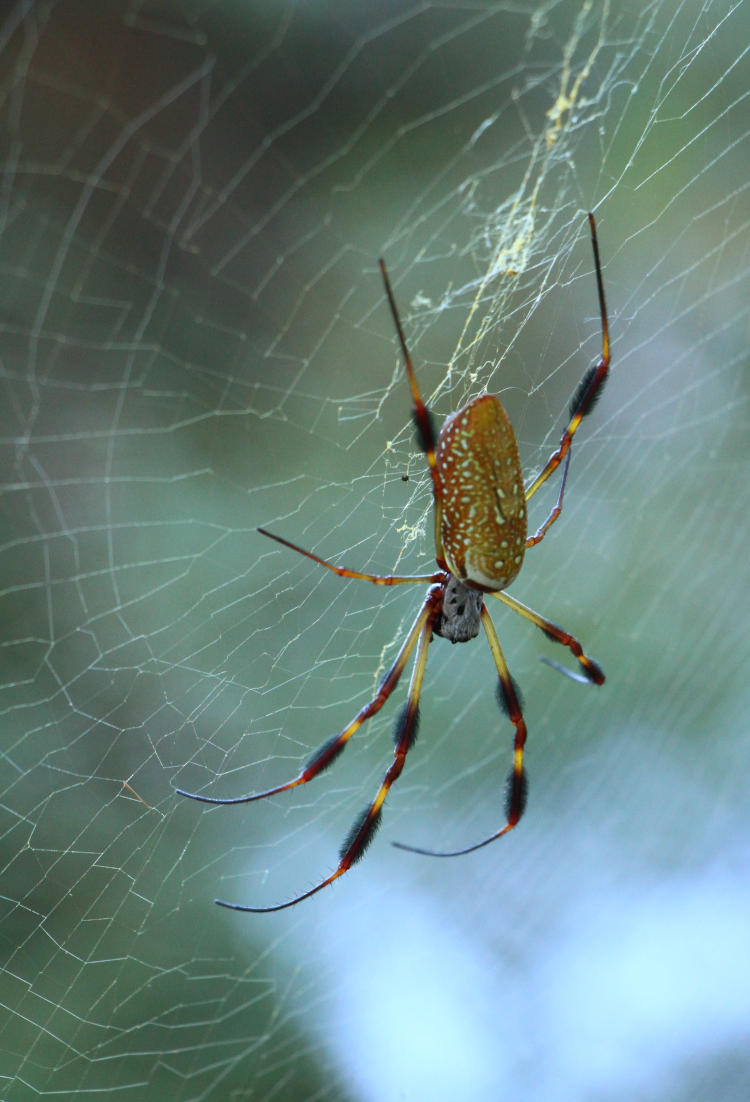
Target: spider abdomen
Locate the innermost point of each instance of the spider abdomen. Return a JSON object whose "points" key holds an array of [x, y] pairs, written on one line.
{"points": [[483, 522]]}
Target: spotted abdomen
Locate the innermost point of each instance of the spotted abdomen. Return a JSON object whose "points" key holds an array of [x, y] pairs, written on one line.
{"points": [[483, 523]]}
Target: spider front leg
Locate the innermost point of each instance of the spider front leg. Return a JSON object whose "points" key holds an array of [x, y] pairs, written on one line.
{"points": [[326, 754], [405, 732], [517, 786]]}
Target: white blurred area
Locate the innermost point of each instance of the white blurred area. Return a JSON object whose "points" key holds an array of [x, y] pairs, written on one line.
{"points": [[634, 985]]}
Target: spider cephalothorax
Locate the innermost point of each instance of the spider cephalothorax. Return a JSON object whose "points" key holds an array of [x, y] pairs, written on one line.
{"points": [[460, 614], [480, 541]]}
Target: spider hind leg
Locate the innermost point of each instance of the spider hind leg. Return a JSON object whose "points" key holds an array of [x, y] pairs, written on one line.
{"points": [[584, 399]]}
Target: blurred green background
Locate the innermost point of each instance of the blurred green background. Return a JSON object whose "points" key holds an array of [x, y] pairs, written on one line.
{"points": [[194, 342]]}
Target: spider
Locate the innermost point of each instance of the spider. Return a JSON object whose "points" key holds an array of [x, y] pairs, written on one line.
{"points": [[480, 541]]}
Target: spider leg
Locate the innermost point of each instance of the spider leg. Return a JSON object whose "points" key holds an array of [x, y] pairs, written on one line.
{"points": [[517, 787], [343, 572], [426, 434], [554, 513], [591, 669], [587, 392], [330, 750], [405, 732]]}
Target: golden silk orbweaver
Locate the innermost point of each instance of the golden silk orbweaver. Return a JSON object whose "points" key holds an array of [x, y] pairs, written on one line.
{"points": [[480, 541]]}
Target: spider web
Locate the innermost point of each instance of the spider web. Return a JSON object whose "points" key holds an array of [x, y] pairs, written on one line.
{"points": [[195, 343]]}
